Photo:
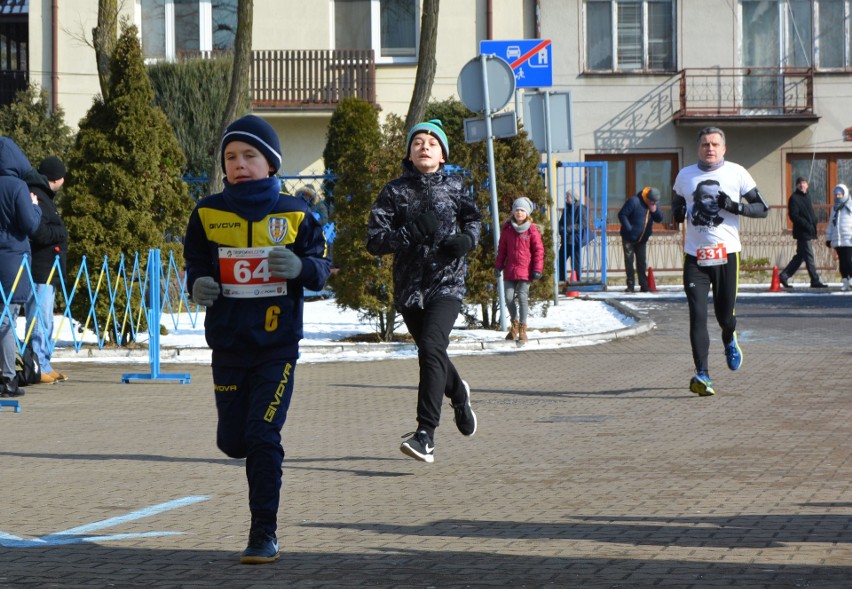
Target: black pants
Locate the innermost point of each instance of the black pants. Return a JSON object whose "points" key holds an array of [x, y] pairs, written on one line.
{"points": [[844, 259], [574, 253], [638, 251], [804, 253], [430, 327], [697, 283]]}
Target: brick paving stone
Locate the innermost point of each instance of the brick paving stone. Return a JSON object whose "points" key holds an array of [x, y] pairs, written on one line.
{"points": [[592, 467]]}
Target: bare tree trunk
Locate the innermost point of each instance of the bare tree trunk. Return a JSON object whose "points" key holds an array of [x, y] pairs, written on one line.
{"points": [[426, 64], [237, 97], [104, 37]]}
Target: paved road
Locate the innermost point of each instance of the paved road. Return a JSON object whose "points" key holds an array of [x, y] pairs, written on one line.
{"points": [[593, 467]]}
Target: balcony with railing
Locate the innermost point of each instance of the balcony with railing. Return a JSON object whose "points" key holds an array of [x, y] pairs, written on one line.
{"points": [[748, 95], [287, 80]]}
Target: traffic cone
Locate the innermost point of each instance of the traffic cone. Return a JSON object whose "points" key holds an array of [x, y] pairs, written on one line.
{"points": [[572, 280], [652, 284], [775, 285]]}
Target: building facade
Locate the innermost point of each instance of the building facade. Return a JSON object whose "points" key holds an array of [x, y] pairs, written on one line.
{"points": [[644, 76]]}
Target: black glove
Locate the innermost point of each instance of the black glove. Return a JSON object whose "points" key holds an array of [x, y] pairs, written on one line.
{"points": [[456, 246], [725, 202], [423, 226], [827, 243], [535, 276]]}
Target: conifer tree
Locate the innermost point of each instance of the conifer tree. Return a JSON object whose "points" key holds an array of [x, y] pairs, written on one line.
{"points": [[29, 122], [124, 192], [364, 282]]}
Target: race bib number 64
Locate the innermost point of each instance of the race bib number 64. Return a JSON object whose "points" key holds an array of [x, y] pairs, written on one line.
{"points": [[712, 255], [244, 273]]}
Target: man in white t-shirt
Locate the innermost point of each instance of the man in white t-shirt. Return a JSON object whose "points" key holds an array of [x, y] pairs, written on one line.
{"points": [[710, 196]]}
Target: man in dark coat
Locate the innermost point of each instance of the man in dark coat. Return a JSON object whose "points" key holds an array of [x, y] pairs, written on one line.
{"points": [[637, 218], [49, 240], [802, 216], [19, 218]]}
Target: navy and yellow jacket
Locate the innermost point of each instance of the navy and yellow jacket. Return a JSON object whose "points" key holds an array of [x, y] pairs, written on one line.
{"points": [[246, 331]]}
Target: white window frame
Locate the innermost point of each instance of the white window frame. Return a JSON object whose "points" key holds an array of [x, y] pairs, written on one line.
{"points": [[376, 33], [785, 39], [645, 69], [205, 26]]}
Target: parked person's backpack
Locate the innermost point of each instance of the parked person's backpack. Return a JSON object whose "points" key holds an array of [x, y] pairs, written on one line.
{"points": [[27, 367]]}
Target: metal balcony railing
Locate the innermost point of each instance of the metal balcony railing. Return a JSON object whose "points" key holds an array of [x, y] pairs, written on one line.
{"points": [[776, 94]]}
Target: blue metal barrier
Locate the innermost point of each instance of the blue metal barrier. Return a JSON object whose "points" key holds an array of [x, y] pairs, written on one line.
{"points": [[154, 314], [157, 289]]}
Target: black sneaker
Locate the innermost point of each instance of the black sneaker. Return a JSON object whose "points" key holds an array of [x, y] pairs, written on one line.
{"points": [[783, 278], [818, 285], [262, 548], [465, 417], [419, 446], [12, 391]]}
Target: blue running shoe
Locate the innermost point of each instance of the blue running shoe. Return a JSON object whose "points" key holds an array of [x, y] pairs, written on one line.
{"points": [[702, 385], [734, 354]]}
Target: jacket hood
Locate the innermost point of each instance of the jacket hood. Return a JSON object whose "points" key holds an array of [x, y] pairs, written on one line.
{"points": [[13, 162], [36, 180]]}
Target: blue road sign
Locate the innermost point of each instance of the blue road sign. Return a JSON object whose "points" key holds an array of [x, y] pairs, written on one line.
{"points": [[530, 60]]}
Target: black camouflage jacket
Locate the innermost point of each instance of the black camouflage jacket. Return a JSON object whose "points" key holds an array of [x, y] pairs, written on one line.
{"points": [[420, 272]]}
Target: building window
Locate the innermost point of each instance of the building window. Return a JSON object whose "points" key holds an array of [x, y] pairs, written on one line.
{"points": [[388, 27], [627, 174], [823, 171], [630, 36], [14, 66], [797, 33], [170, 28]]}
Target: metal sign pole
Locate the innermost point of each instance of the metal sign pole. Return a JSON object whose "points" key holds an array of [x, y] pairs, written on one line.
{"points": [[492, 174], [552, 189]]}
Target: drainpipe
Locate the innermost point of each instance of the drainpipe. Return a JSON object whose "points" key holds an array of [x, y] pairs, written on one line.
{"points": [[537, 34], [54, 54], [489, 20]]}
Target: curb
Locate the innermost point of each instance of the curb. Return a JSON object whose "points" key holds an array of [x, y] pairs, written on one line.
{"points": [[321, 351]]}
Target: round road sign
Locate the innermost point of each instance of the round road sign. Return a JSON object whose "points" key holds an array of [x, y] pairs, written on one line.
{"points": [[501, 84]]}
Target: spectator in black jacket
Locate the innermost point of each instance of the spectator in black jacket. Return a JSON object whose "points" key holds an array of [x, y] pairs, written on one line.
{"points": [[801, 213], [49, 241]]}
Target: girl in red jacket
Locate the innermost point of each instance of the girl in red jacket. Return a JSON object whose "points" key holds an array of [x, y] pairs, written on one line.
{"points": [[520, 256]]}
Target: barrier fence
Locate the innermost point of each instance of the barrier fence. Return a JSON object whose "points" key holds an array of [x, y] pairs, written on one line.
{"points": [[120, 304]]}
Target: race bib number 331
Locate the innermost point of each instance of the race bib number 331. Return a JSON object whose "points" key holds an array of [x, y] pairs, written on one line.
{"points": [[712, 255], [244, 273]]}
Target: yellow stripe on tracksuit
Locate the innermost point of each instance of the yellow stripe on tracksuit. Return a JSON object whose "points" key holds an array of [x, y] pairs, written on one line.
{"points": [[231, 230]]}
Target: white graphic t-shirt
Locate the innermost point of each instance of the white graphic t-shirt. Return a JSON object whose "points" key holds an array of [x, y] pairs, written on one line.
{"points": [[711, 232]]}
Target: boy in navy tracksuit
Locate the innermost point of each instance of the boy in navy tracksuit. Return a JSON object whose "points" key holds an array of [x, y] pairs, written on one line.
{"points": [[250, 251]]}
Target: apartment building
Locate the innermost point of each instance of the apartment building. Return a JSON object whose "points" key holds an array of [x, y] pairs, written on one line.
{"points": [[644, 75]]}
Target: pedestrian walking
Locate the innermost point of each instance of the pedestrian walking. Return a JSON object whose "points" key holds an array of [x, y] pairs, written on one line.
{"points": [[800, 210]]}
